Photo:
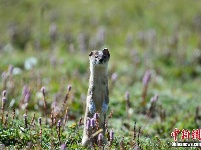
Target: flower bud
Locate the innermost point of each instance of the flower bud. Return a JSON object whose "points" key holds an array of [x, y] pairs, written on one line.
{"points": [[69, 87], [92, 122], [88, 124], [43, 90], [4, 93], [40, 121], [111, 135], [96, 116], [59, 123], [100, 137], [146, 78]]}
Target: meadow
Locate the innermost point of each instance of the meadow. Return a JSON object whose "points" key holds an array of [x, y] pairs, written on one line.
{"points": [[154, 71]]}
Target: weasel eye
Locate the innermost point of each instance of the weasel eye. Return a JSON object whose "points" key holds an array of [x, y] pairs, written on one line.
{"points": [[96, 56], [104, 56]]}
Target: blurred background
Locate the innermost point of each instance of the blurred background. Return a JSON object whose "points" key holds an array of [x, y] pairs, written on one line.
{"points": [[46, 43]]}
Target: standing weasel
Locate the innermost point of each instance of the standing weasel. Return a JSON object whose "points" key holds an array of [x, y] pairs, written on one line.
{"points": [[98, 95]]}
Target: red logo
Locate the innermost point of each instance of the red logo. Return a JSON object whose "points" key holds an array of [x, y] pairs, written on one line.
{"points": [[186, 134]]}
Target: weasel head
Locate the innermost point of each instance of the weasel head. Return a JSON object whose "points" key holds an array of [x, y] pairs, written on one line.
{"points": [[99, 58]]}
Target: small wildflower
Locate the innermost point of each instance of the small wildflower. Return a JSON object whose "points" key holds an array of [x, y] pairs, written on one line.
{"points": [[92, 122], [39, 121], [3, 99], [154, 99], [111, 135], [25, 90], [4, 93], [100, 137], [114, 77], [10, 69], [27, 97], [127, 95], [146, 78], [69, 87], [63, 146], [25, 115], [59, 123], [145, 81], [43, 90], [96, 116]]}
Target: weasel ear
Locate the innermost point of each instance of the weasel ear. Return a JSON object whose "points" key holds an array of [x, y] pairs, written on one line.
{"points": [[91, 53], [105, 50]]}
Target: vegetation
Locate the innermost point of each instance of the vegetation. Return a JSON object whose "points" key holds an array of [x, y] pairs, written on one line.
{"points": [[154, 71]]}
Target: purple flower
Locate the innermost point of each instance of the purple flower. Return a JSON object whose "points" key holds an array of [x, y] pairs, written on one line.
{"points": [[111, 135], [154, 99], [69, 87], [127, 95], [3, 100], [4, 93], [146, 78], [10, 69], [59, 123], [96, 116], [114, 77], [63, 146], [92, 122], [25, 90], [27, 97], [39, 121], [100, 137], [25, 116], [43, 90]]}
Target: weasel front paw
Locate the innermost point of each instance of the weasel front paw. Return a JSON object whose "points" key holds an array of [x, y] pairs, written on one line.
{"points": [[104, 107], [92, 107]]}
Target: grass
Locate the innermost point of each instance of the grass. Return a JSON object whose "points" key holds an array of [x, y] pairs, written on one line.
{"points": [[159, 36]]}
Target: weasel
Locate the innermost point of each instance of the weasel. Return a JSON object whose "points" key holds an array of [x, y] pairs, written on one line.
{"points": [[98, 94]]}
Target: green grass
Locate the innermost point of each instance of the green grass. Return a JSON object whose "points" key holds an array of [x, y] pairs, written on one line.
{"points": [[163, 37]]}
